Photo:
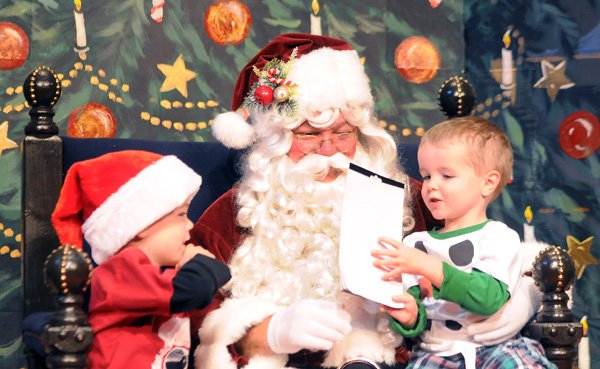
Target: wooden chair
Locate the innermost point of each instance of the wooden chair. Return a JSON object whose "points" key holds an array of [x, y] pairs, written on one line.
{"points": [[59, 319]]}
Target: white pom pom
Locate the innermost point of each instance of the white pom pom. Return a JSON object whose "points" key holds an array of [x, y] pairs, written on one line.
{"points": [[232, 130]]}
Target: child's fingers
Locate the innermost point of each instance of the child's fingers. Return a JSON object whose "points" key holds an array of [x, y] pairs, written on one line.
{"points": [[405, 298], [384, 253], [389, 243], [394, 275]]}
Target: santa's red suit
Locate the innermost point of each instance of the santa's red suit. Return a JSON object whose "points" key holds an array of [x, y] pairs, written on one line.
{"points": [[136, 309]]}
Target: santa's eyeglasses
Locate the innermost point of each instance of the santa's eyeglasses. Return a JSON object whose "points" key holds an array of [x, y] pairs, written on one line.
{"points": [[310, 142]]}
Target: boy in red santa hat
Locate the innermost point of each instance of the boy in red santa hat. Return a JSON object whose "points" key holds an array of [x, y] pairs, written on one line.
{"points": [[311, 110], [131, 208]]}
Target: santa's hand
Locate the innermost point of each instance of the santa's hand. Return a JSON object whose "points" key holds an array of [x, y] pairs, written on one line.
{"points": [[517, 311], [307, 324]]}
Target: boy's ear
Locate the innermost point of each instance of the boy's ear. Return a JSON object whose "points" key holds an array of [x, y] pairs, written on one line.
{"points": [[491, 181]]}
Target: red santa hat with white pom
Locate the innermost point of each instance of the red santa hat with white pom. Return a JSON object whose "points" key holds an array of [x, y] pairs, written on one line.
{"points": [[296, 77], [108, 200]]}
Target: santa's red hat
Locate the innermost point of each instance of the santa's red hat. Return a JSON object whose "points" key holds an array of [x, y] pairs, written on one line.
{"points": [[298, 77], [111, 198]]}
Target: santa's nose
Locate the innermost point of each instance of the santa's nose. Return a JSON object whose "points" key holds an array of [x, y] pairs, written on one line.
{"points": [[327, 148]]}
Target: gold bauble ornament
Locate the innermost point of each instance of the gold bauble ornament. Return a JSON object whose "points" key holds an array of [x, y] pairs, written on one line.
{"points": [[282, 93]]}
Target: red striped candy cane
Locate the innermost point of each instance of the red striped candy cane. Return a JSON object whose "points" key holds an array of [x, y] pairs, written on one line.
{"points": [[156, 13], [271, 73]]}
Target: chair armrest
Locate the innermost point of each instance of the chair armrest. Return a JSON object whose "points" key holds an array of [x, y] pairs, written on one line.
{"points": [[68, 336], [554, 325]]}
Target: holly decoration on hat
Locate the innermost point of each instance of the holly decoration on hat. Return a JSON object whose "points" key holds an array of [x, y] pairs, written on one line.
{"points": [[273, 90]]}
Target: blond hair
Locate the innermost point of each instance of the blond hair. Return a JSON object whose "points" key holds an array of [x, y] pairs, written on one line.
{"points": [[487, 144]]}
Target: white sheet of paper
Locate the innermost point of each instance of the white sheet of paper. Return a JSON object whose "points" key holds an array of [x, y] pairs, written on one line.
{"points": [[373, 206]]}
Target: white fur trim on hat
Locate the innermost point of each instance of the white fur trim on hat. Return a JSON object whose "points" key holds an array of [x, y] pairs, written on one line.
{"points": [[232, 130], [154, 192], [330, 79]]}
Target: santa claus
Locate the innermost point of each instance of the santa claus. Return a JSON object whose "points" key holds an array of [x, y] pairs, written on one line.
{"points": [[311, 109]]}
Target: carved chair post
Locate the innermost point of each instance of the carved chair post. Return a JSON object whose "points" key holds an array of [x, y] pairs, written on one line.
{"points": [[42, 161], [554, 326], [68, 336]]}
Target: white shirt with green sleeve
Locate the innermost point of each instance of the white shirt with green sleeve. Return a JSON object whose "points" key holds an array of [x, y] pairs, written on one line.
{"points": [[481, 269]]}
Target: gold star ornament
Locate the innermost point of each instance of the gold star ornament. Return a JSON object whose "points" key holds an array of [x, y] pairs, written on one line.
{"points": [[176, 76], [5, 142], [554, 78], [581, 254]]}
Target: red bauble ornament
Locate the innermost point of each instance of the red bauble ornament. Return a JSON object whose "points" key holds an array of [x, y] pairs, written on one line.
{"points": [[579, 134], [417, 59], [228, 22], [92, 120], [263, 95], [14, 46]]}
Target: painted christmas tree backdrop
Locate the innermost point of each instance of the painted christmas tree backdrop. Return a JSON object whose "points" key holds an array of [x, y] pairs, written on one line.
{"points": [[162, 69]]}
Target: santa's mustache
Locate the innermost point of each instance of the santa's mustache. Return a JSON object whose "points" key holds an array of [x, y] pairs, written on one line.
{"points": [[319, 165]]}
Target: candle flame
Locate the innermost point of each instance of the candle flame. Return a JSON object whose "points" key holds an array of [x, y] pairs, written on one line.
{"points": [[77, 4], [315, 7], [584, 324], [528, 214], [506, 39]]}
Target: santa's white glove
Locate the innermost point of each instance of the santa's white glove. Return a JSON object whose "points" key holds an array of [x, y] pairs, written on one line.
{"points": [[517, 311], [307, 324]]}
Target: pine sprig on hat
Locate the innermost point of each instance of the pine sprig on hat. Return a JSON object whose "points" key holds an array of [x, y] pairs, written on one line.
{"points": [[273, 90]]}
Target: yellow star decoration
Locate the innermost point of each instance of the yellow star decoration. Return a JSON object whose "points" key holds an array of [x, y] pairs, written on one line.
{"points": [[176, 76], [554, 78], [581, 254], [5, 142]]}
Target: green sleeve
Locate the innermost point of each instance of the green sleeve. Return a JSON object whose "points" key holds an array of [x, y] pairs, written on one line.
{"points": [[476, 292], [419, 327]]}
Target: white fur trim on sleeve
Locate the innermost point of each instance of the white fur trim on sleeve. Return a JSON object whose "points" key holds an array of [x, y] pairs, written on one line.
{"points": [[228, 324]]}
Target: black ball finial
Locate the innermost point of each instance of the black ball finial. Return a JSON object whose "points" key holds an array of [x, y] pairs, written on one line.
{"points": [[456, 97], [554, 270], [42, 89], [67, 270]]}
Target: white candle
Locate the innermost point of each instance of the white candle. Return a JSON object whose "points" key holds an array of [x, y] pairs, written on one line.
{"points": [[315, 20], [315, 25], [583, 359], [528, 233], [80, 37], [507, 68], [507, 62], [528, 229]]}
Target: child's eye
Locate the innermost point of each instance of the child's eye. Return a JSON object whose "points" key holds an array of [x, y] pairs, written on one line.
{"points": [[426, 177], [447, 176]]}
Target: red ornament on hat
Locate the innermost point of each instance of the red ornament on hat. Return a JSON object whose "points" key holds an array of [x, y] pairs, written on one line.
{"points": [[264, 95]]}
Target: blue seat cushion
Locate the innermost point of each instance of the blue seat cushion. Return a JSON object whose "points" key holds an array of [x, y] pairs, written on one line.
{"points": [[33, 327]]}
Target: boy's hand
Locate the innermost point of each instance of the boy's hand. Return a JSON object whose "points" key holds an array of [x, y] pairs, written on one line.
{"points": [[191, 251], [395, 258], [407, 316]]}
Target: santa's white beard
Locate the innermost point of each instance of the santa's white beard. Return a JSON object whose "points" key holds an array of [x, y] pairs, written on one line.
{"points": [[292, 250]]}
